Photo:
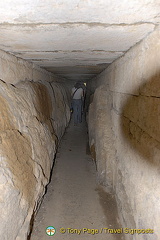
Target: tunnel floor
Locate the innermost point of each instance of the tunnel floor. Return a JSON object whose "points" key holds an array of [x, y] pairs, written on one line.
{"points": [[74, 202]]}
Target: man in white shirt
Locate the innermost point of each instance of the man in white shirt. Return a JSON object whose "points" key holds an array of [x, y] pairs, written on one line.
{"points": [[77, 102]]}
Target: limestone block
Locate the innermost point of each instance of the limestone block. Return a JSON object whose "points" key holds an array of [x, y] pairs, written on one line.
{"points": [[119, 101], [152, 86], [145, 112], [91, 123], [125, 77], [61, 112], [101, 136], [13, 69], [134, 112], [80, 11], [136, 167], [28, 144], [150, 65], [139, 168], [137, 68], [39, 74]]}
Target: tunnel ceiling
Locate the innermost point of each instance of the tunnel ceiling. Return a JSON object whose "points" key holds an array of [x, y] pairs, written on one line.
{"points": [[75, 39]]}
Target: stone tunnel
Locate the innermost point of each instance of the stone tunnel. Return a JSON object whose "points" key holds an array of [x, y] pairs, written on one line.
{"points": [[114, 48]]}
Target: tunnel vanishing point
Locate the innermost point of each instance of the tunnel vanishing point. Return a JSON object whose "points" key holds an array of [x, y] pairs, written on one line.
{"points": [[113, 46]]}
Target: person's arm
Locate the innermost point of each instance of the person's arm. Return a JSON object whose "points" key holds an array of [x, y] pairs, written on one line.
{"points": [[82, 94]]}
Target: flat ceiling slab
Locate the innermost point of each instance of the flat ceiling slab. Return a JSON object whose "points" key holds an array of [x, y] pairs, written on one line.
{"points": [[75, 39]]}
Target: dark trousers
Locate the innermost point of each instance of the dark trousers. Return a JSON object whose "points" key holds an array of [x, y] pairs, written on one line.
{"points": [[77, 110]]}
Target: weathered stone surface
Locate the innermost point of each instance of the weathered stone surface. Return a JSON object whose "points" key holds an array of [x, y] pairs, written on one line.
{"points": [[133, 87], [34, 115], [91, 34], [40, 74], [30, 11], [13, 70], [137, 68], [101, 139]]}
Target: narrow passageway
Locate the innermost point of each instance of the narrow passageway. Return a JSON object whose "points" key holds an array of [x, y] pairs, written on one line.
{"points": [[73, 199]]}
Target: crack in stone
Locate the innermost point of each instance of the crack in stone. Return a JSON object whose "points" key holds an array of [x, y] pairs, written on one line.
{"points": [[73, 51], [68, 24], [150, 96]]}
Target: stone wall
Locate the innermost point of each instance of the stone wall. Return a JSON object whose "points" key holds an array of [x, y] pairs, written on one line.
{"points": [[33, 118], [124, 128]]}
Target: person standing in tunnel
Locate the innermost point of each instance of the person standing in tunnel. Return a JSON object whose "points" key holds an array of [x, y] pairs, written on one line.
{"points": [[77, 102]]}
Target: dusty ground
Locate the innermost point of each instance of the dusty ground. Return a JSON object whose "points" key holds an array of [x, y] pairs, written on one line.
{"points": [[73, 199]]}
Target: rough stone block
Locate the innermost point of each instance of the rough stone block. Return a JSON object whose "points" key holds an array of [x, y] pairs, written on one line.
{"points": [[134, 119], [13, 70], [28, 144]]}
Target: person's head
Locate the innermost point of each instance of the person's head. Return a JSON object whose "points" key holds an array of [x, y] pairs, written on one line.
{"points": [[77, 85]]}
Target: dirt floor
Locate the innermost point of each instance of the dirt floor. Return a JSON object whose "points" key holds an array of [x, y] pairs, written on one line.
{"points": [[74, 203]]}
